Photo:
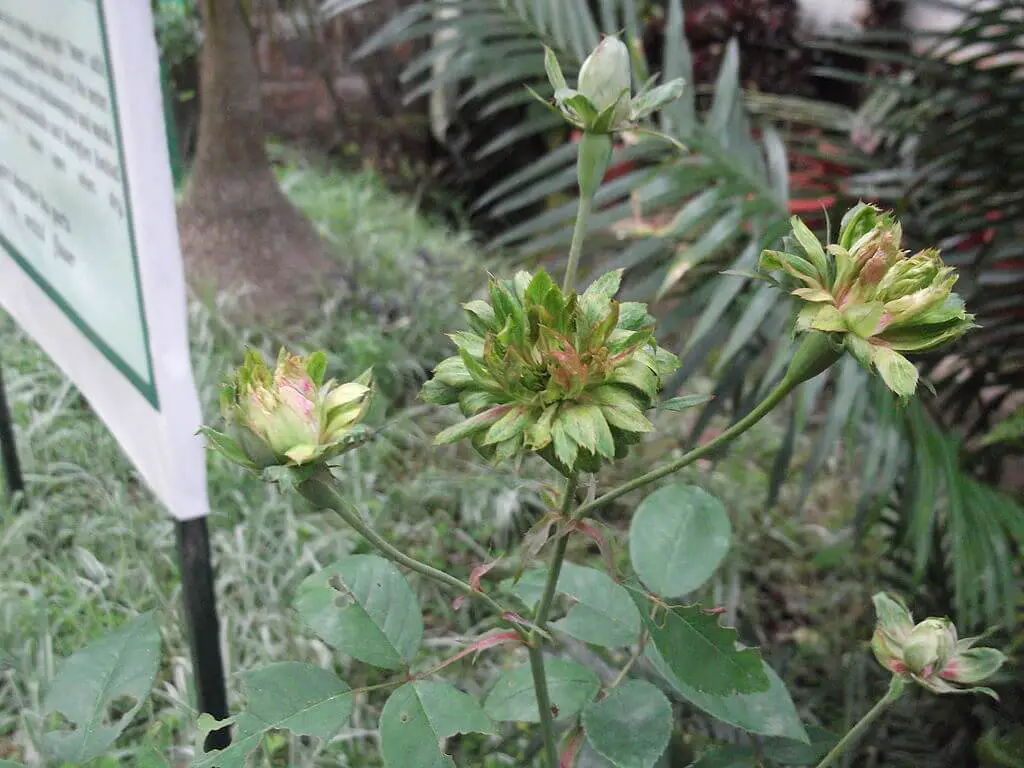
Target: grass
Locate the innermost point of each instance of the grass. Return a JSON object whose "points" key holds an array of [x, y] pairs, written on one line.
{"points": [[90, 547]]}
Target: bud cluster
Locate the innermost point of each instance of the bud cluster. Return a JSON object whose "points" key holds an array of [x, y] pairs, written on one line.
{"points": [[566, 376], [882, 300]]}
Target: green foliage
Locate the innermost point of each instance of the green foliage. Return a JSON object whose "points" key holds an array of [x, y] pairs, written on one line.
{"points": [[702, 653], [288, 695], [719, 203], [99, 689], [684, 402], [179, 33], [363, 607], [678, 538], [602, 612], [770, 712], [420, 716], [727, 187], [1009, 431], [727, 757], [543, 368], [570, 685], [631, 726]]}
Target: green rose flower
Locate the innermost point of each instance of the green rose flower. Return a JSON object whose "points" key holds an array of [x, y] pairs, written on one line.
{"points": [[564, 375], [878, 301]]}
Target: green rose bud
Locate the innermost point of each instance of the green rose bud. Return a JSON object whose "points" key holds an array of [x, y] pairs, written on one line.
{"points": [[929, 645], [602, 101], [929, 653], [564, 375], [605, 79], [289, 416], [874, 299]]}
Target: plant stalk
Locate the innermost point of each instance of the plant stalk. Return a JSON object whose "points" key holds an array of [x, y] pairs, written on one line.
{"points": [[321, 489], [540, 617], [547, 717], [557, 556], [814, 354], [896, 688], [592, 159], [579, 233], [760, 411]]}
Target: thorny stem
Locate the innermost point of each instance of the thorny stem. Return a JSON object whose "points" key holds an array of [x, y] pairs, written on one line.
{"points": [[321, 489], [737, 429], [896, 687]]}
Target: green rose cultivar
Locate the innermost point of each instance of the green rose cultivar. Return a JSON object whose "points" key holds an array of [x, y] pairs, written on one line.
{"points": [[879, 301], [564, 375]]}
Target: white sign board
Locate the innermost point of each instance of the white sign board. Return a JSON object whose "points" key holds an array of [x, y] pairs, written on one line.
{"points": [[89, 259]]}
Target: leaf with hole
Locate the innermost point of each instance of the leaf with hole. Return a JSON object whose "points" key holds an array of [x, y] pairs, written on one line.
{"points": [[631, 726], [290, 695], [769, 713], [678, 537], [570, 687], [99, 689], [365, 608], [701, 652], [420, 716]]}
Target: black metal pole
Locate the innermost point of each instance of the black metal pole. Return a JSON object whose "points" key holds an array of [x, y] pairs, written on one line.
{"points": [[203, 627], [14, 482]]}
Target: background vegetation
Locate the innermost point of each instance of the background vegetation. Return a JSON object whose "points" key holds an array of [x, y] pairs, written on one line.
{"points": [[930, 510]]}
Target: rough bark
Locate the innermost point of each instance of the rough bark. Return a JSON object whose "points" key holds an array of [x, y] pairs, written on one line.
{"points": [[238, 230]]}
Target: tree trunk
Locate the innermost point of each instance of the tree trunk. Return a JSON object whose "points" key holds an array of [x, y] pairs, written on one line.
{"points": [[238, 230]]}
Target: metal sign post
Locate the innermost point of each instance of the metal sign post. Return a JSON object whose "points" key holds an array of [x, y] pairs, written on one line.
{"points": [[203, 626], [13, 481]]}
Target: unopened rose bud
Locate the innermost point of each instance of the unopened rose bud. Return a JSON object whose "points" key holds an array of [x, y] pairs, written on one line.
{"points": [[605, 79], [929, 653], [289, 416], [602, 101], [929, 646]]}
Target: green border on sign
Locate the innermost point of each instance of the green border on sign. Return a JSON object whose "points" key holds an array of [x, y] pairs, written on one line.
{"points": [[146, 388]]}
